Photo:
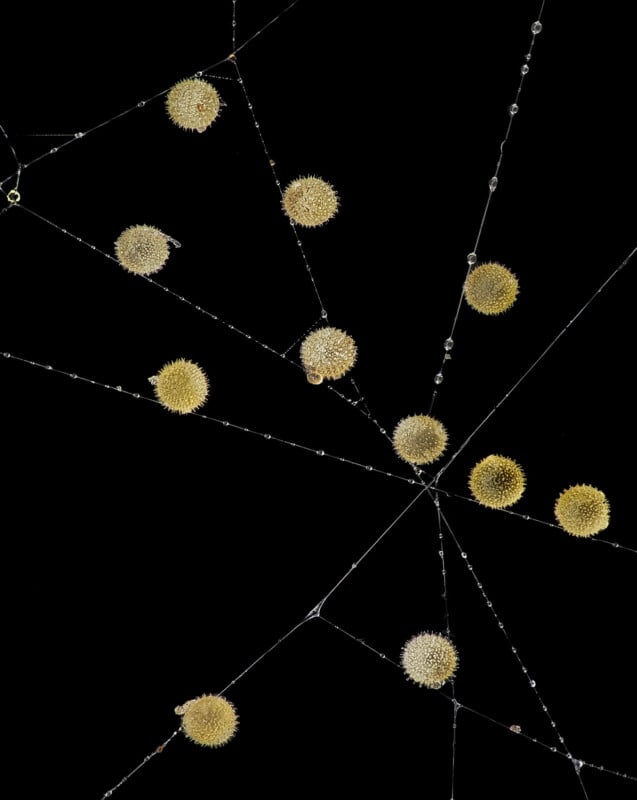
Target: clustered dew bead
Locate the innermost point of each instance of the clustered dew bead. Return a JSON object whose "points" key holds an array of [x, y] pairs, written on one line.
{"points": [[419, 439], [327, 353], [582, 510], [181, 386], [429, 659], [209, 720], [491, 289], [193, 104], [497, 482], [310, 201], [142, 249]]}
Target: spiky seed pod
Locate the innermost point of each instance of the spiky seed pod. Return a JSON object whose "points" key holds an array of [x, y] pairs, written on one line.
{"points": [[209, 720], [491, 288], [582, 510], [142, 249], [419, 439], [193, 104], [327, 353], [181, 386], [429, 659], [310, 201], [497, 482]]}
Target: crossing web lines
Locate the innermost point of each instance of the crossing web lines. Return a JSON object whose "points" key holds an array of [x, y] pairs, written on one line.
{"points": [[282, 309]]}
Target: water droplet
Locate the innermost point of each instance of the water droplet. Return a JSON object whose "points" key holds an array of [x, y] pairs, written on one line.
{"points": [[78, 135], [48, 366], [438, 378], [73, 375], [320, 452], [448, 345], [578, 764], [324, 314], [54, 149], [472, 258], [368, 468], [528, 56], [7, 355], [513, 109], [533, 684], [493, 184], [525, 69], [266, 436], [464, 555], [141, 104], [536, 27]]}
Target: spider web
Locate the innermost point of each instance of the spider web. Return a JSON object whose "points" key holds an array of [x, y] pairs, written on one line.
{"points": [[323, 519]]}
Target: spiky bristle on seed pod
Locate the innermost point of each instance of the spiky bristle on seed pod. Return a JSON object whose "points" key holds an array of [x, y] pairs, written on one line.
{"points": [[181, 386], [582, 510], [327, 353], [310, 201], [491, 288], [419, 439], [209, 720], [142, 249], [193, 104], [429, 659], [497, 481]]}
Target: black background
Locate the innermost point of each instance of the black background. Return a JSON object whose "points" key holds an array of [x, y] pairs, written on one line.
{"points": [[150, 558]]}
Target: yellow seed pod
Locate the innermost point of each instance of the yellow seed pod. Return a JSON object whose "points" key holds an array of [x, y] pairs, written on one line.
{"points": [[327, 353], [193, 104], [497, 482], [429, 659], [209, 720], [314, 378], [582, 510], [491, 288], [419, 439], [310, 201], [142, 249], [181, 386]]}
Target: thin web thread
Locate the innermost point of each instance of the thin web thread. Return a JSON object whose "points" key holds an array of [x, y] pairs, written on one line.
{"points": [[272, 165], [529, 518], [359, 404], [535, 363], [225, 423], [18, 173], [142, 103], [470, 710], [493, 183], [531, 681]]}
